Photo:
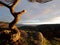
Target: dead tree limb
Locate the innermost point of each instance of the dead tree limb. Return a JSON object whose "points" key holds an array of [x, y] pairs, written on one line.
{"points": [[16, 15]]}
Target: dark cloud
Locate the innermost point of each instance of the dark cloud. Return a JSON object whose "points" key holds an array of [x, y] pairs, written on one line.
{"points": [[40, 1]]}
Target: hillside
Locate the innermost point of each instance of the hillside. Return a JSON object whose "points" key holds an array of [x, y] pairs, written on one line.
{"points": [[3, 24], [48, 34], [53, 29]]}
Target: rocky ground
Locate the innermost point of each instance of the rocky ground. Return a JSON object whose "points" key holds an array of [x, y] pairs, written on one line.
{"points": [[27, 37]]}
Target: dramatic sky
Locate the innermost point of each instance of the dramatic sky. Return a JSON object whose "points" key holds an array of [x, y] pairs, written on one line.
{"points": [[36, 12]]}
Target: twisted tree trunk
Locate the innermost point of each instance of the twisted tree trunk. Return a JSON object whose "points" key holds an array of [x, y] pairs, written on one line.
{"points": [[13, 32], [16, 15]]}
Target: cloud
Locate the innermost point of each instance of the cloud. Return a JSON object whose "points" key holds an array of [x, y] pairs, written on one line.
{"points": [[50, 9], [30, 21], [42, 12], [40, 1], [47, 11], [55, 19]]}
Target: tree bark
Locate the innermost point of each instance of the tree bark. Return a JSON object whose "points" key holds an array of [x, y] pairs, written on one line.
{"points": [[16, 15]]}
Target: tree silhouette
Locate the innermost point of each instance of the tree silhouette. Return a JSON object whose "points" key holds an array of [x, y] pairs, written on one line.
{"points": [[16, 15]]}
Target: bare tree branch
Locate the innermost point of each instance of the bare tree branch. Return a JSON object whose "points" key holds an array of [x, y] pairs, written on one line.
{"points": [[14, 5], [15, 14], [4, 4]]}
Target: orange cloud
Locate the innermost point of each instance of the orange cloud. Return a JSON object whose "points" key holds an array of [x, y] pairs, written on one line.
{"points": [[47, 11]]}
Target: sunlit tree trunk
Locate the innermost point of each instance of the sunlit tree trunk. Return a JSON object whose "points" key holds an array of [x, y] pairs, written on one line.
{"points": [[16, 15]]}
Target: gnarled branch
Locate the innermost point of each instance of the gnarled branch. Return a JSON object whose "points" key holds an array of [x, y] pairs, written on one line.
{"points": [[15, 14]]}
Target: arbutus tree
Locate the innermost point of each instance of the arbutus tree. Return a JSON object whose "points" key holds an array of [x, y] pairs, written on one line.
{"points": [[11, 34], [11, 4]]}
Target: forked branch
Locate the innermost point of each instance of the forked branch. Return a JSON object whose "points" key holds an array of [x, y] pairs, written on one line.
{"points": [[15, 14]]}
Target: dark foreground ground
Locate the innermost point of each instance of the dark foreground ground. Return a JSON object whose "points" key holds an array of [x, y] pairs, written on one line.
{"points": [[46, 29], [48, 34]]}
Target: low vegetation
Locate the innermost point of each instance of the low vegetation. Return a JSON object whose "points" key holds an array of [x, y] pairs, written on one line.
{"points": [[32, 37]]}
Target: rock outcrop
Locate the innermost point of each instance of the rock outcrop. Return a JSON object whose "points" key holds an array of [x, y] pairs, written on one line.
{"points": [[9, 36]]}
